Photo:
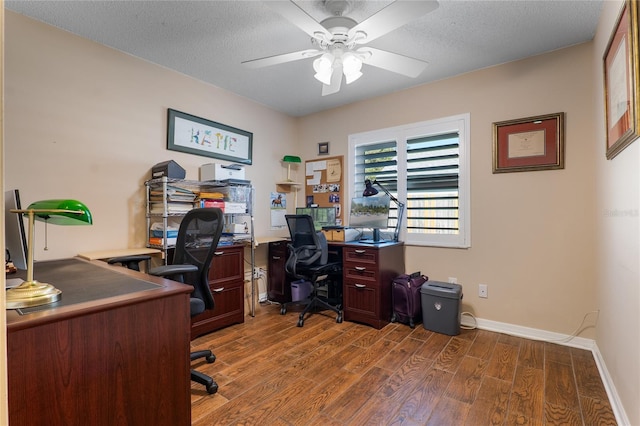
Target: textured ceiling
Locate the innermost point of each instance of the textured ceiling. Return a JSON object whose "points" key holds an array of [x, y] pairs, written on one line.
{"points": [[209, 40]]}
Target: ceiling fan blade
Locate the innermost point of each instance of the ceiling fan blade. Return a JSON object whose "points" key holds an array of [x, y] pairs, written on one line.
{"points": [[280, 59], [393, 62], [391, 17], [299, 18], [336, 81]]}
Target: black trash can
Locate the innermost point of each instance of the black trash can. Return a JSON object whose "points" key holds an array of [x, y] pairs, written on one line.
{"points": [[441, 304]]}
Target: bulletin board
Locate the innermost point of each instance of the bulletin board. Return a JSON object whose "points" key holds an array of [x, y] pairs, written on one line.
{"points": [[324, 184]]}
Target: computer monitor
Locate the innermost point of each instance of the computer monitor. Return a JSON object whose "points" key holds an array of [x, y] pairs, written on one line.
{"points": [[15, 239], [370, 212], [322, 216]]}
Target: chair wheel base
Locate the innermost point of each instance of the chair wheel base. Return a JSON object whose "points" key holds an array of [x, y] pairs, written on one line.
{"points": [[212, 388], [339, 319], [211, 359], [300, 322]]}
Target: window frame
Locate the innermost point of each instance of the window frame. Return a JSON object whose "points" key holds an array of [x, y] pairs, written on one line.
{"points": [[461, 124]]}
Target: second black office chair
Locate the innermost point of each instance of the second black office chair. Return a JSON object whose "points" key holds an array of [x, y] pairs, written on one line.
{"points": [[197, 240], [308, 260]]}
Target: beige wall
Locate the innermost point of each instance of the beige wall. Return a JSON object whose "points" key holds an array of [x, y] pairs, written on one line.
{"points": [[532, 233], [88, 122], [617, 278]]}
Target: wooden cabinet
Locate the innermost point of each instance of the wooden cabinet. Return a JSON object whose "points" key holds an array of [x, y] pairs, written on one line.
{"points": [[278, 282], [226, 280], [368, 272]]}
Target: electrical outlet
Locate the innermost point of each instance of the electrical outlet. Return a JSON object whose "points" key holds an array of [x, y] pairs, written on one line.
{"points": [[453, 280], [483, 291], [256, 272]]}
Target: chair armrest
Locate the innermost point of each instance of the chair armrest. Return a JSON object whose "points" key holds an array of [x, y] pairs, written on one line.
{"points": [[131, 261], [171, 270]]}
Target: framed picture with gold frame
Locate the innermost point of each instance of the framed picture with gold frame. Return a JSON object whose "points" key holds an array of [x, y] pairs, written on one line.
{"points": [[621, 81], [527, 144]]}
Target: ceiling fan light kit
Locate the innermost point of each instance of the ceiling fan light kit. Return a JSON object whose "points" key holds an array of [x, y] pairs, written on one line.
{"points": [[336, 38]]}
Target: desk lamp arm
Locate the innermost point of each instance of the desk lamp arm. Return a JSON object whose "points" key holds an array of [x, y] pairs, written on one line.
{"points": [[401, 206]]}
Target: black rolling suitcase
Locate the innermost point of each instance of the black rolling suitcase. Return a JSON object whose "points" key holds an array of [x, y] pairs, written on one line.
{"points": [[406, 298]]}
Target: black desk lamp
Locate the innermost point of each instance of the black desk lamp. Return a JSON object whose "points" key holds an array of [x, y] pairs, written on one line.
{"points": [[369, 190]]}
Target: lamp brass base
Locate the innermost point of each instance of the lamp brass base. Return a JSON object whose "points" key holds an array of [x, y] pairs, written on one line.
{"points": [[32, 293]]}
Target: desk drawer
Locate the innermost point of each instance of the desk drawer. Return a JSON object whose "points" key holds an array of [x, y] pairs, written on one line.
{"points": [[359, 271], [364, 255], [361, 300]]}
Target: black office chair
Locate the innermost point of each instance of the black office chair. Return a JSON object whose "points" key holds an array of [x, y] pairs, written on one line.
{"points": [[308, 260], [197, 240]]}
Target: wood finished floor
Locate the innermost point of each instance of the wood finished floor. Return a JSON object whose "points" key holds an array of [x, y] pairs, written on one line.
{"points": [[272, 372]]}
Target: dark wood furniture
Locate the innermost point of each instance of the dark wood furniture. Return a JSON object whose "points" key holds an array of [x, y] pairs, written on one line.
{"points": [[279, 283], [367, 273], [226, 280], [113, 350]]}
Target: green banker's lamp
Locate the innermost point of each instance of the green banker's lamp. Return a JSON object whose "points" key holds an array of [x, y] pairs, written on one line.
{"points": [[58, 212], [290, 159]]}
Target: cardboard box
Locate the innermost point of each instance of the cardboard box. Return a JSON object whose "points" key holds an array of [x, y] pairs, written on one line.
{"points": [[337, 235], [215, 171]]}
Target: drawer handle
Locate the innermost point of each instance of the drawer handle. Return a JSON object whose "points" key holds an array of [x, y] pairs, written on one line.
{"points": [[361, 286], [358, 251], [218, 290], [218, 253], [360, 268], [276, 257]]}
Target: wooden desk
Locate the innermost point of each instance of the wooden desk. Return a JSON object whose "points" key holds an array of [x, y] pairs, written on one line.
{"points": [[367, 273], [113, 351]]}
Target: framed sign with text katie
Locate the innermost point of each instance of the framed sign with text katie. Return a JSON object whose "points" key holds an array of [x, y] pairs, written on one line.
{"points": [[199, 136]]}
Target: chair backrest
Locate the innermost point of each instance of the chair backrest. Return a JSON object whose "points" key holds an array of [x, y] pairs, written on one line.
{"points": [[308, 247], [197, 240]]}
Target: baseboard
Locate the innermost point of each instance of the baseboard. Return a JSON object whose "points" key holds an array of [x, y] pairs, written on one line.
{"points": [[612, 393], [529, 333], [262, 297], [560, 339]]}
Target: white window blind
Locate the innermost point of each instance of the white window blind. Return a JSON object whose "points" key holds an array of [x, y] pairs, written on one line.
{"points": [[426, 166]]}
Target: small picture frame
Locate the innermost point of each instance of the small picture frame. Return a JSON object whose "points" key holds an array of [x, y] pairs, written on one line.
{"points": [[323, 148], [528, 144]]}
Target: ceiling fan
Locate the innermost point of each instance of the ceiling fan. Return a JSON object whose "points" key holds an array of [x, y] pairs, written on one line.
{"points": [[338, 41]]}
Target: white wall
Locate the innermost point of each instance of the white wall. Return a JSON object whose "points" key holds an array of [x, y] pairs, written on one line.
{"points": [[617, 186]]}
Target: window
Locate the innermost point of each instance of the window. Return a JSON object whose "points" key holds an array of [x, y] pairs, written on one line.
{"points": [[426, 166]]}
